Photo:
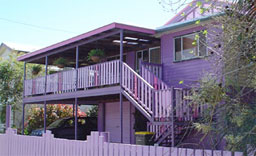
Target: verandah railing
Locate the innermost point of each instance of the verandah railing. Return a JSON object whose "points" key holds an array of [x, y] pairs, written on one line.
{"points": [[152, 73], [156, 69], [101, 74]]}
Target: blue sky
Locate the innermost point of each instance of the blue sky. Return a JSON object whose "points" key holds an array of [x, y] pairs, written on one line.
{"points": [[77, 16]]}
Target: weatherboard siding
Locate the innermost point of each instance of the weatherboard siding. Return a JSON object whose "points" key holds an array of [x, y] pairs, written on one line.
{"points": [[130, 59], [188, 71]]}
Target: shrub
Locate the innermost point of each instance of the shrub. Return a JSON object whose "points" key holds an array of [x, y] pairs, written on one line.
{"points": [[35, 118]]}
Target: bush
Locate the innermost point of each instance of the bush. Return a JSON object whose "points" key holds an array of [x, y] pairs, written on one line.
{"points": [[54, 112]]}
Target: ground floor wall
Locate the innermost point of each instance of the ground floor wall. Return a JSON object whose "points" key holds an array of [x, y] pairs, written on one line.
{"points": [[109, 120]]}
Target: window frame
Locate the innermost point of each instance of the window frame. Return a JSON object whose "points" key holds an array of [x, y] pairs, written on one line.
{"points": [[181, 37], [152, 48]]}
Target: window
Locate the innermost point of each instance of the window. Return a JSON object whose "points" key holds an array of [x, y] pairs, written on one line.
{"points": [[155, 55], [151, 55], [143, 56], [186, 47]]}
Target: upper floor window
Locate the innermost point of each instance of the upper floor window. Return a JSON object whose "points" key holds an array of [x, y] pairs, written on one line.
{"points": [[151, 55], [189, 46]]}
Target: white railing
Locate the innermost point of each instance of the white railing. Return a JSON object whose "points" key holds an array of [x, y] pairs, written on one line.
{"points": [[106, 73], [156, 102], [158, 129], [138, 88], [147, 72], [163, 105], [53, 83], [96, 144], [102, 74], [34, 86], [28, 87], [156, 69], [185, 110]]}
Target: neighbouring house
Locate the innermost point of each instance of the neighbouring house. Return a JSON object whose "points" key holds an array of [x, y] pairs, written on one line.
{"points": [[7, 49], [139, 74]]}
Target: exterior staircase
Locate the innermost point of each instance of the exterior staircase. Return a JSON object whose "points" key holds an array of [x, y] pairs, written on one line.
{"points": [[168, 109], [165, 107]]}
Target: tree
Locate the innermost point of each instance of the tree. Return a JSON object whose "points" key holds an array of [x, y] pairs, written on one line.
{"points": [[228, 91], [11, 88]]}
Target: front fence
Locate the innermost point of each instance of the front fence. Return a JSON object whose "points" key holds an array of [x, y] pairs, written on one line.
{"points": [[12, 144]]}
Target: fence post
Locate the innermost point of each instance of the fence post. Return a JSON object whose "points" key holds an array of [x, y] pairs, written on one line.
{"points": [[48, 137], [8, 116], [106, 136]]}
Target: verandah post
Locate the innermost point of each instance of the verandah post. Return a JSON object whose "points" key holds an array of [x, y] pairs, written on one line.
{"points": [[77, 56], [121, 72], [45, 85], [23, 104]]}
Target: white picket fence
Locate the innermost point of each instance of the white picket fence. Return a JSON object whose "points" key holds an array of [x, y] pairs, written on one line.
{"points": [[97, 144]]}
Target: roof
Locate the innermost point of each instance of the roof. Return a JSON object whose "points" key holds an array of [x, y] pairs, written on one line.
{"points": [[20, 47], [192, 8], [12, 48], [184, 23], [87, 35]]}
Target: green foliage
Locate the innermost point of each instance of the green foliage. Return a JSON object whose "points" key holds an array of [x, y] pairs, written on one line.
{"points": [[36, 69], [95, 52], [229, 90], [92, 112], [60, 62], [36, 115], [52, 71], [11, 80]]}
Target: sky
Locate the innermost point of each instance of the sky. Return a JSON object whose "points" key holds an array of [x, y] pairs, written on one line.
{"points": [[57, 20]]}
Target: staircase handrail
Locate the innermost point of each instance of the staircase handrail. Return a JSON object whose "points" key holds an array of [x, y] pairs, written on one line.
{"points": [[144, 67], [139, 76]]}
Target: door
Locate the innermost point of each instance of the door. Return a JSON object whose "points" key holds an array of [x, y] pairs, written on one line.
{"points": [[112, 121]]}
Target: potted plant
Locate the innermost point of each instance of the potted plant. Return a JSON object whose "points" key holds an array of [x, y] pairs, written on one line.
{"points": [[60, 62], [95, 55], [36, 69]]}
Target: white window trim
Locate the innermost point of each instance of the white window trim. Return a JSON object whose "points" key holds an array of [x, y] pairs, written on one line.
{"points": [[149, 51], [181, 36], [136, 57]]}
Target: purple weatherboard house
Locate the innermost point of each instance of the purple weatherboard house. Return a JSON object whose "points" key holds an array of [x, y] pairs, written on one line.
{"points": [[141, 72]]}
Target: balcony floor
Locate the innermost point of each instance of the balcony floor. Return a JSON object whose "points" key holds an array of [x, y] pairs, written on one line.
{"points": [[95, 92]]}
